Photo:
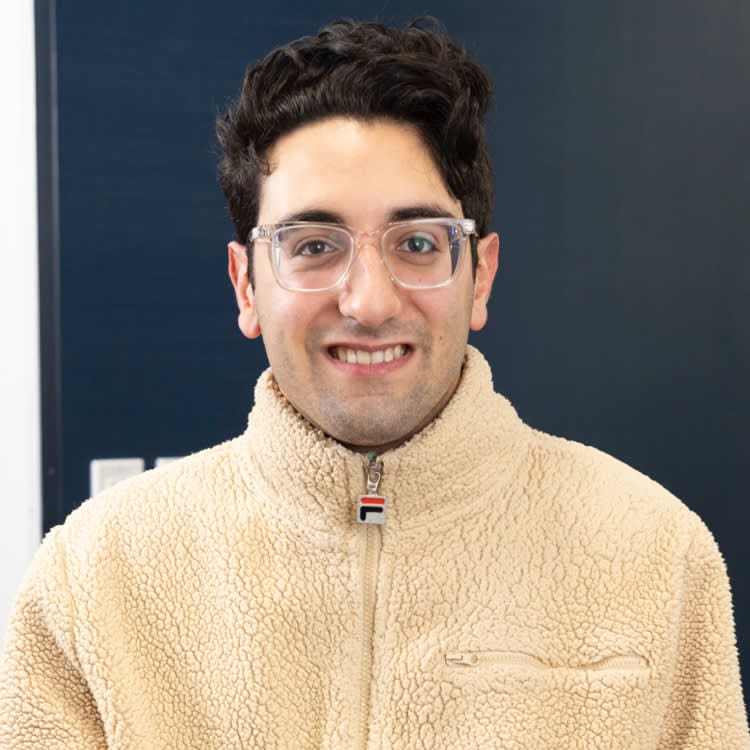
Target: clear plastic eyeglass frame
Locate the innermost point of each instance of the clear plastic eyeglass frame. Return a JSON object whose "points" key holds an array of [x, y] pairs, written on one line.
{"points": [[271, 232]]}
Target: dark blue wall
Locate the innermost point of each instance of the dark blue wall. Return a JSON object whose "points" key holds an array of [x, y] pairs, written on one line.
{"points": [[620, 314]]}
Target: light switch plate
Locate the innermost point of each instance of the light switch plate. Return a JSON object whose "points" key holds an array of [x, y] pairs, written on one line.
{"points": [[104, 472]]}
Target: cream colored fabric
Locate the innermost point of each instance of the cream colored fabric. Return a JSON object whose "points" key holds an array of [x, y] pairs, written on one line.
{"points": [[528, 592]]}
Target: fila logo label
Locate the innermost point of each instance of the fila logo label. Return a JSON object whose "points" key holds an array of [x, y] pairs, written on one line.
{"points": [[371, 509]]}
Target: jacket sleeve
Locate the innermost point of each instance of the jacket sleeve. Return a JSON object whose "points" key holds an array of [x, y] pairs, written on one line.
{"points": [[45, 702], [706, 709]]}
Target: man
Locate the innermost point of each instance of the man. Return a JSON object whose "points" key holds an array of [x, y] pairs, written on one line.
{"points": [[388, 557]]}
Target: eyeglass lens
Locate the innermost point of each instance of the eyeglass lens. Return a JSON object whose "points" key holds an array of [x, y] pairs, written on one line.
{"points": [[309, 256]]}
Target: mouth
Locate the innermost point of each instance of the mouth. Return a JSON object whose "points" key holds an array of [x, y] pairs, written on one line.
{"points": [[354, 356]]}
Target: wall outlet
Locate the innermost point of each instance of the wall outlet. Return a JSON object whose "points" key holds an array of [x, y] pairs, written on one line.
{"points": [[104, 472]]}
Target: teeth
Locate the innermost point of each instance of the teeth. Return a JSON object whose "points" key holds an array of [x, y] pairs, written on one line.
{"points": [[361, 357]]}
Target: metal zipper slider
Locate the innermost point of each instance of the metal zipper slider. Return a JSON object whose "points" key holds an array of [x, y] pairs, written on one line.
{"points": [[371, 505]]}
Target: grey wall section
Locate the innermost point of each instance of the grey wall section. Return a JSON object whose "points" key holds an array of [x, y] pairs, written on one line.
{"points": [[619, 318]]}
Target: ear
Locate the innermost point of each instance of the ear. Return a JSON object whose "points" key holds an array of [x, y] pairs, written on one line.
{"points": [[243, 291], [488, 250]]}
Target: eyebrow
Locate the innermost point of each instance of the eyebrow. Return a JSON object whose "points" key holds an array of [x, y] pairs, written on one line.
{"points": [[431, 211], [313, 214]]}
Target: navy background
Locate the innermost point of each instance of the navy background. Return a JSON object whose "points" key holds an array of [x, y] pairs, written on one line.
{"points": [[620, 312]]}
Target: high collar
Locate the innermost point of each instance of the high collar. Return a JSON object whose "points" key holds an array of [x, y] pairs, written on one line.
{"points": [[454, 466]]}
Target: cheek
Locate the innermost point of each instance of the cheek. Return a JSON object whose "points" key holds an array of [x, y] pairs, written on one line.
{"points": [[447, 316], [289, 322]]}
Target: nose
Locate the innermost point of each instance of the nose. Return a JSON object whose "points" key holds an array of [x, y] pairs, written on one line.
{"points": [[368, 294]]}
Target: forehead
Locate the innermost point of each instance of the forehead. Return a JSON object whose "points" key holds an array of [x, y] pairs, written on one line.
{"points": [[361, 170]]}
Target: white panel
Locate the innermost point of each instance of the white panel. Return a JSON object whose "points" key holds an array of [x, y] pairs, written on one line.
{"points": [[20, 519], [165, 460], [104, 472]]}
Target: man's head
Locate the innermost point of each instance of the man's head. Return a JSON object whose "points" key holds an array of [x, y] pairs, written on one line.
{"points": [[361, 126]]}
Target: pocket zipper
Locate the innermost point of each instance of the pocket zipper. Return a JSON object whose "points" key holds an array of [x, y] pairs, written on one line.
{"points": [[478, 658], [518, 658]]}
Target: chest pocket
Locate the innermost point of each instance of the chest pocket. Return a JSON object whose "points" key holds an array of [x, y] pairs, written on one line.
{"points": [[501, 697], [484, 660]]}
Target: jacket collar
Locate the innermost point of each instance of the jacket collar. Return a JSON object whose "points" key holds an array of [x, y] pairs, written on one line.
{"points": [[455, 466]]}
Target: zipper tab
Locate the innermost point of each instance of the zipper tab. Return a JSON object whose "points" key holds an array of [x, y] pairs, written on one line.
{"points": [[470, 660], [371, 505], [374, 472]]}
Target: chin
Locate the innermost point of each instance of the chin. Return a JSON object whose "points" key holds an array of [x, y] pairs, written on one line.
{"points": [[368, 432]]}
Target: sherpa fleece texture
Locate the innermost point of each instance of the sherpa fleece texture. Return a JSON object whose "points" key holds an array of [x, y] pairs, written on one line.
{"points": [[525, 592]]}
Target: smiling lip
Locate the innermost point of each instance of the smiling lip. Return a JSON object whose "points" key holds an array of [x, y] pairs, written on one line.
{"points": [[368, 356]]}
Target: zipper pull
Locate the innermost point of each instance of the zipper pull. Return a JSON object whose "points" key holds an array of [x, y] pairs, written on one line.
{"points": [[469, 660], [371, 505]]}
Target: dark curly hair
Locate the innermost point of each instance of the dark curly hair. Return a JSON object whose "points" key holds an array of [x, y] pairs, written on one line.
{"points": [[364, 70]]}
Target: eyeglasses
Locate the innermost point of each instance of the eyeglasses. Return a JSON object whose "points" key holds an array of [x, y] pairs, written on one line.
{"points": [[418, 254]]}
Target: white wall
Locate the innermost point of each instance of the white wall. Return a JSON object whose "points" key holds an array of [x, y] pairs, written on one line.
{"points": [[20, 480]]}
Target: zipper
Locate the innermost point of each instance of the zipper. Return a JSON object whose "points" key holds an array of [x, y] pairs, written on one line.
{"points": [[371, 539], [371, 507], [482, 658], [371, 559], [517, 658]]}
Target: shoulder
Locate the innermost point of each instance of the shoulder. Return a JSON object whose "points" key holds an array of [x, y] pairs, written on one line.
{"points": [[594, 492], [180, 499]]}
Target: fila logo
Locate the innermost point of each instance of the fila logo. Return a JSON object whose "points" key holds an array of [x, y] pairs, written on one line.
{"points": [[371, 509]]}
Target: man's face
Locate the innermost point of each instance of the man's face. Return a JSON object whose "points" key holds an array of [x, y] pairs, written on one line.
{"points": [[363, 173]]}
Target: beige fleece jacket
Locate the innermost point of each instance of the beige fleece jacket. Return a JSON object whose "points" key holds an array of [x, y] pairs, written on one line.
{"points": [[525, 592]]}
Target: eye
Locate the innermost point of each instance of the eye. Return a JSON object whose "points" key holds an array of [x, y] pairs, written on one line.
{"points": [[418, 244], [314, 247]]}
